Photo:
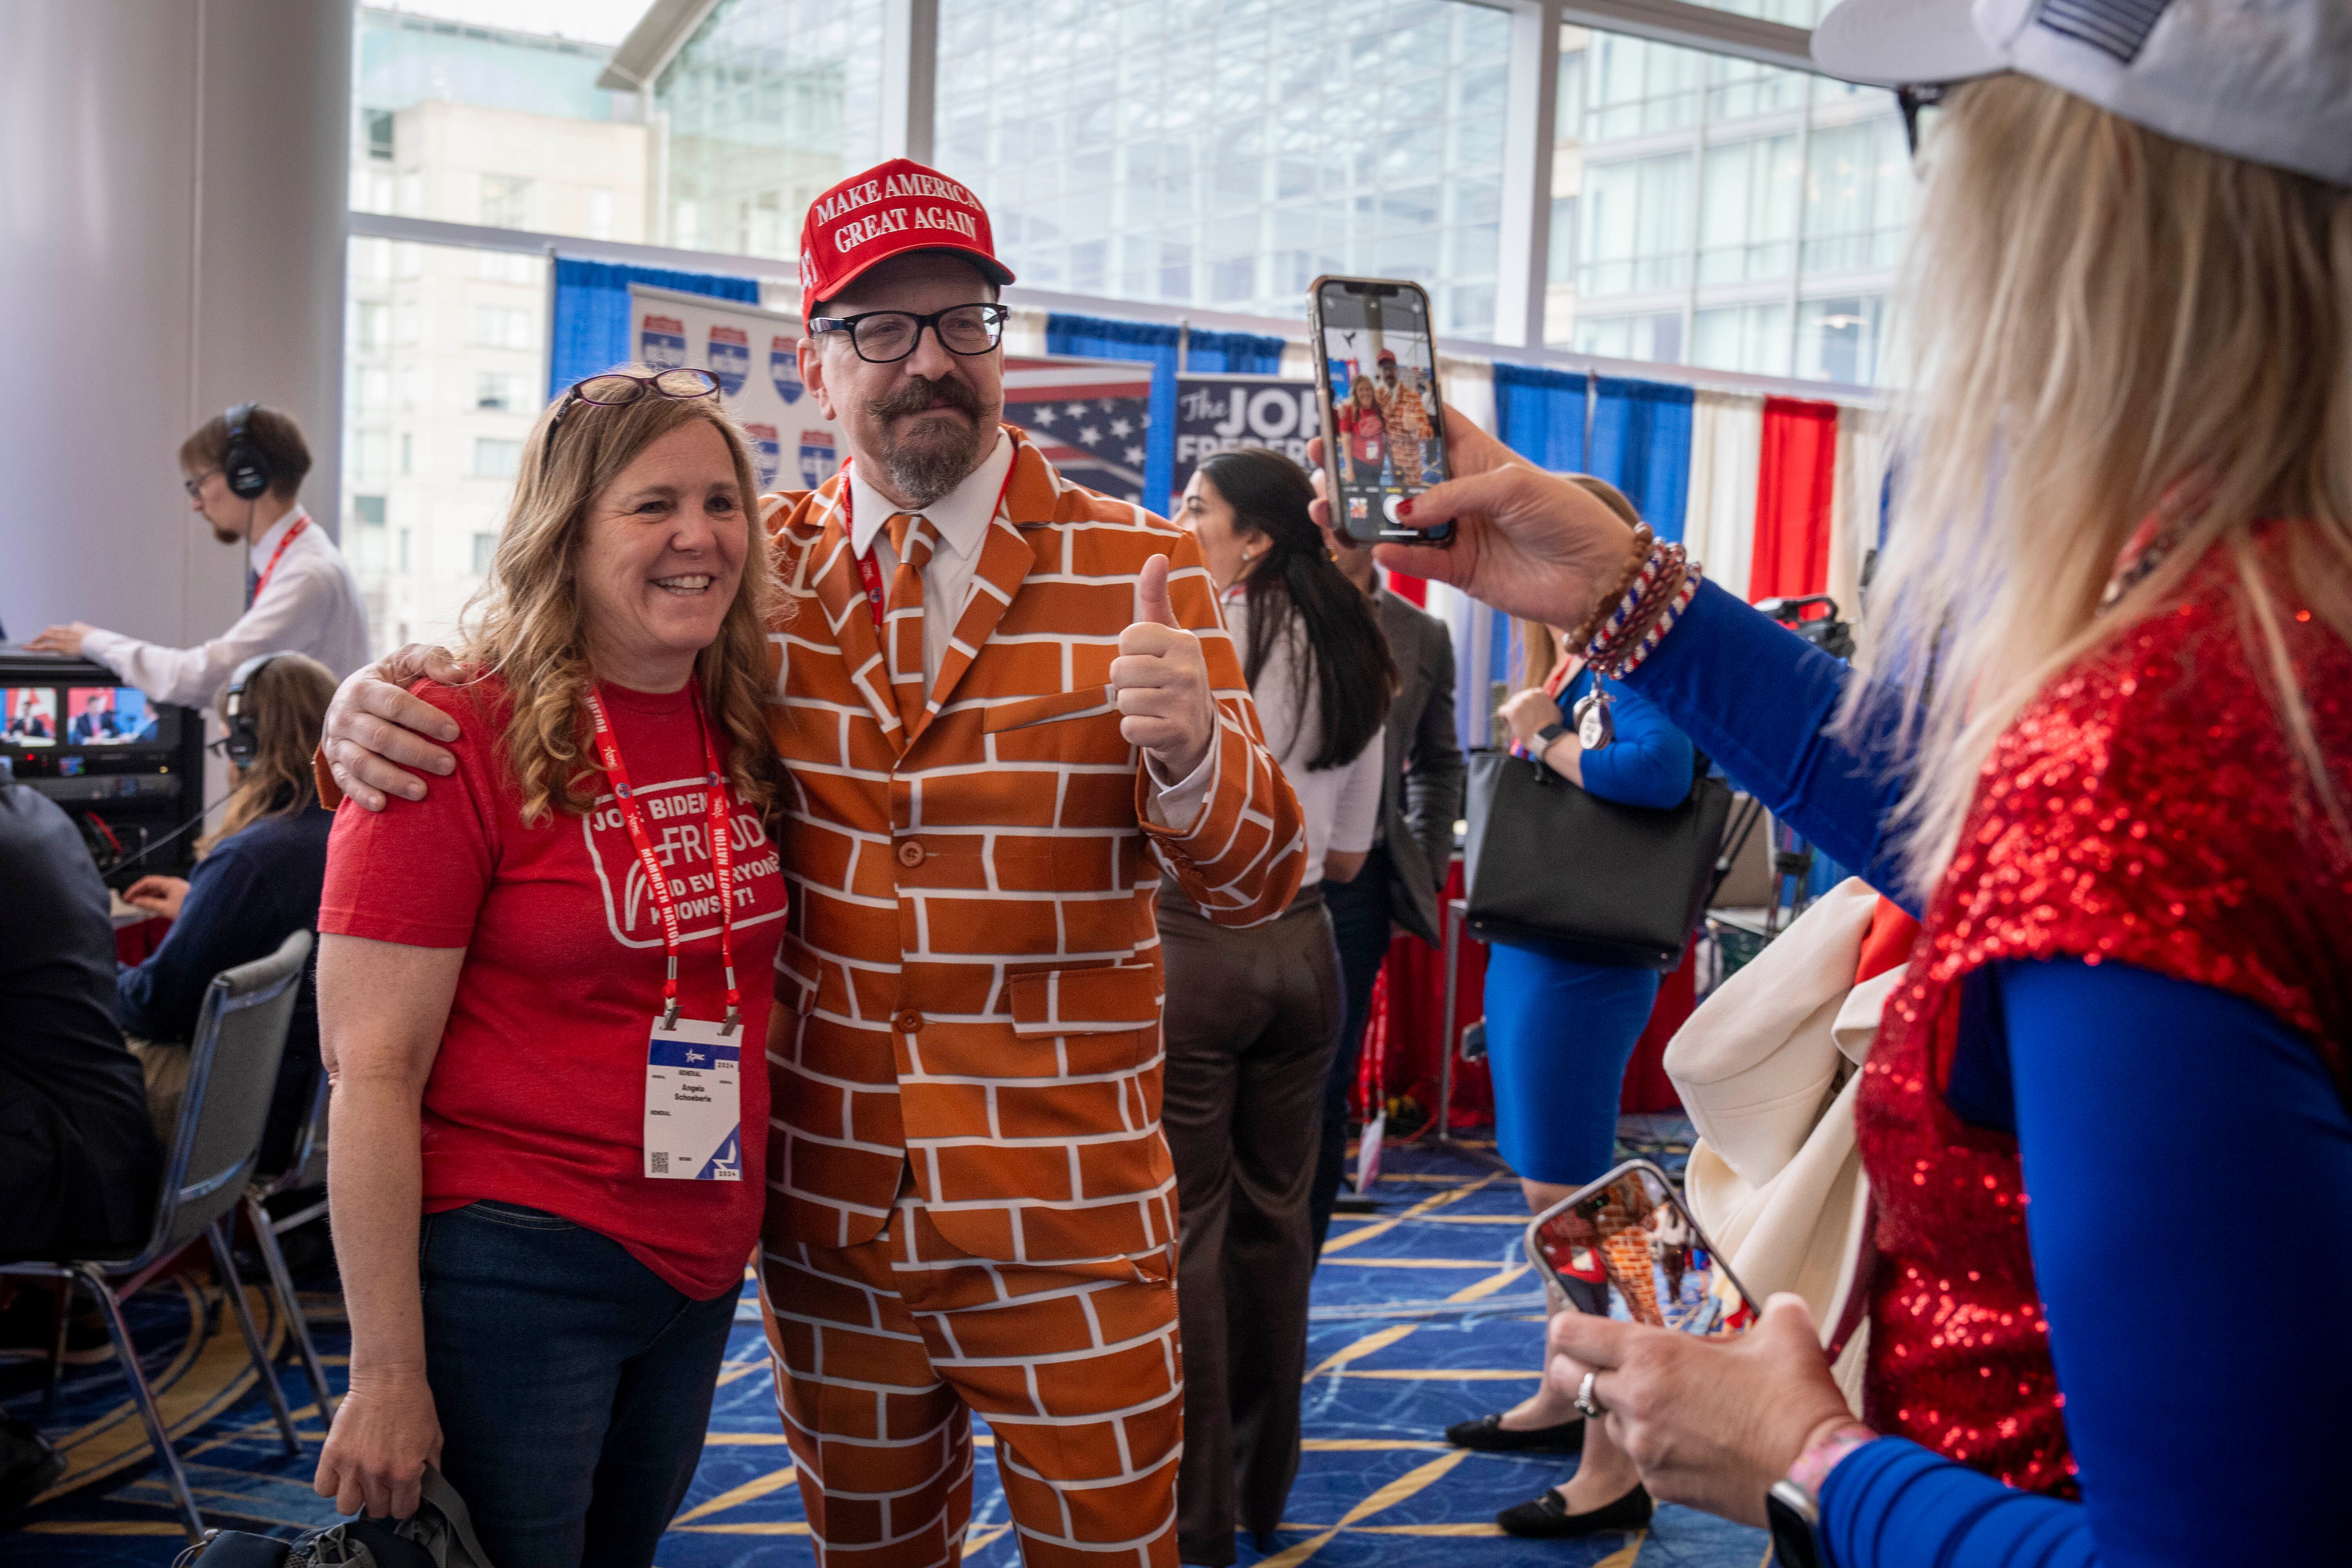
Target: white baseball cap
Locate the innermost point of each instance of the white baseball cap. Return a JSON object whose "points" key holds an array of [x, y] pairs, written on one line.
{"points": [[2268, 80]]}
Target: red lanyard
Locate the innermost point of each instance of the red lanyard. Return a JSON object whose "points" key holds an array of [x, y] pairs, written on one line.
{"points": [[262, 583], [608, 753], [869, 571]]}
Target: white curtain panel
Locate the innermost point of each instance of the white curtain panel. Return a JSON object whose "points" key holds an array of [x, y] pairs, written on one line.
{"points": [[1469, 387], [1853, 503], [1719, 523]]}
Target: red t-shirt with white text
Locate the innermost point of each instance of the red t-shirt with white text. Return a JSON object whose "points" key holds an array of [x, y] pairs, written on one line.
{"points": [[538, 1094]]}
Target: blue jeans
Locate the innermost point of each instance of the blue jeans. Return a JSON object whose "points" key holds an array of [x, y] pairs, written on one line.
{"points": [[573, 1383]]}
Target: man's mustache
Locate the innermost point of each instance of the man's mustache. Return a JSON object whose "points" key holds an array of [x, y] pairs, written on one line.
{"points": [[916, 395]]}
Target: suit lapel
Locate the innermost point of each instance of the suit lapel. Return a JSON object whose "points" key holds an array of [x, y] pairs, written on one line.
{"points": [[841, 594], [1005, 557]]}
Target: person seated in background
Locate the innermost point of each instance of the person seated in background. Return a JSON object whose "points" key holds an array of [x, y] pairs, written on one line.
{"points": [[79, 1162], [258, 882]]}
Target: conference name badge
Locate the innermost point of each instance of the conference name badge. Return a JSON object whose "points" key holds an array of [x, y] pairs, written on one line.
{"points": [[694, 1115]]}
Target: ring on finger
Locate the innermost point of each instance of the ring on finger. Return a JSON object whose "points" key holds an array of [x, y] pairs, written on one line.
{"points": [[1585, 1400]]}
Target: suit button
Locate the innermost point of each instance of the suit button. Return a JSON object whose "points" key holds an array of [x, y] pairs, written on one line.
{"points": [[911, 852], [907, 1021]]}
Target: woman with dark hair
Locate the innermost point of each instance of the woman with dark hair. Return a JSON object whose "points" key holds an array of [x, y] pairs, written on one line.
{"points": [[1253, 1017]]}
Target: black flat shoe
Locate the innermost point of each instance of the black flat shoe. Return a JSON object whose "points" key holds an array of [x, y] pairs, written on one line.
{"points": [[1488, 1434], [1548, 1516]]}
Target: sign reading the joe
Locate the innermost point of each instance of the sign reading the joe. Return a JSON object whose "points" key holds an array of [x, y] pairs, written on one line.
{"points": [[1218, 413]]}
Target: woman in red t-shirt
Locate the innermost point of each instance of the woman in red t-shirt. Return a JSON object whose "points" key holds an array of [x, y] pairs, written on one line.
{"points": [[543, 991]]}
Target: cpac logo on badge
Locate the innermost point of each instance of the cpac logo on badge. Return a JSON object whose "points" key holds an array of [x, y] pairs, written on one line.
{"points": [[731, 358], [767, 452], [818, 463], [661, 343], [784, 368]]}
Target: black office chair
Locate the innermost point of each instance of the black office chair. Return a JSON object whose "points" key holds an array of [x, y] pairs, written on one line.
{"points": [[232, 1066], [306, 1169]]}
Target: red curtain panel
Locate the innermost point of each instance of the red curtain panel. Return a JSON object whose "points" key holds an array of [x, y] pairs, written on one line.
{"points": [[1795, 476]]}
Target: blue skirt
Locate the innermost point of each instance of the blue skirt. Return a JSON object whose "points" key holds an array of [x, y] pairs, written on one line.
{"points": [[1558, 1035]]}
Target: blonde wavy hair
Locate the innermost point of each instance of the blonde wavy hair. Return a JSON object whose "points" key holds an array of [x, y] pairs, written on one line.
{"points": [[1538, 647], [2105, 322], [287, 699], [527, 625]]}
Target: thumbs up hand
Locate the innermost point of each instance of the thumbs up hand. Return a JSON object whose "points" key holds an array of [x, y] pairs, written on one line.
{"points": [[1161, 682]]}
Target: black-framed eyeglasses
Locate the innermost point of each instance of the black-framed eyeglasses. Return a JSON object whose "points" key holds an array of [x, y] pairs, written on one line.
{"points": [[615, 388], [1913, 101], [885, 337], [195, 487]]}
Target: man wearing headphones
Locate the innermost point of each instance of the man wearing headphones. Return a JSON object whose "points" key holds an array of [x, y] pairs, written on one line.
{"points": [[243, 471]]}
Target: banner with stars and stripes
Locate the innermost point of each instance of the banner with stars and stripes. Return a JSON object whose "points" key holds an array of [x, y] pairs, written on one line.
{"points": [[1088, 416]]}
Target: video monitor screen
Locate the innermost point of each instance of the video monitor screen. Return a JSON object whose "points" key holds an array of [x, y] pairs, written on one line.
{"points": [[109, 715], [28, 715]]}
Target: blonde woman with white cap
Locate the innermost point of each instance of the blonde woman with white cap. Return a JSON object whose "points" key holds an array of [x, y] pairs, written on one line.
{"points": [[2101, 732]]}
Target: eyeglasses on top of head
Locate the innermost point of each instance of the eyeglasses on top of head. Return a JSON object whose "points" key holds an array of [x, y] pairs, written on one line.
{"points": [[615, 388], [885, 337]]}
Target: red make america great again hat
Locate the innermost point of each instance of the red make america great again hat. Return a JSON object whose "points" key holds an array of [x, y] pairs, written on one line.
{"points": [[888, 210]]}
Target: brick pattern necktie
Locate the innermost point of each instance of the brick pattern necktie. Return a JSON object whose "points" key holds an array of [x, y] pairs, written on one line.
{"points": [[912, 538]]}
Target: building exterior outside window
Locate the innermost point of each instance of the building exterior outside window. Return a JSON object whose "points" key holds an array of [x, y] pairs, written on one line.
{"points": [[1221, 155], [764, 107], [1729, 215]]}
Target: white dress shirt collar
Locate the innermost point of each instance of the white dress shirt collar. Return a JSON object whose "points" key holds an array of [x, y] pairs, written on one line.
{"points": [[960, 517], [268, 541]]}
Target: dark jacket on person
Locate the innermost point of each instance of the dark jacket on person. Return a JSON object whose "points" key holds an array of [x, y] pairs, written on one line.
{"points": [[1421, 794], [256, 889], [79, 1162]]}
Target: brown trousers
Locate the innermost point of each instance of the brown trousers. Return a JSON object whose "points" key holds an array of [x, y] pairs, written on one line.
{"points": [[1252, 1021]]}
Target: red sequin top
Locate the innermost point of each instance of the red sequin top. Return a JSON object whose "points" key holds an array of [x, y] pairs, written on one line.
{"points": [[2147, 808]]}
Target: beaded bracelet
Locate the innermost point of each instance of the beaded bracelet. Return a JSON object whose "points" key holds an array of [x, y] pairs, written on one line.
{"points": [[1630, 630], [1639, 558]]}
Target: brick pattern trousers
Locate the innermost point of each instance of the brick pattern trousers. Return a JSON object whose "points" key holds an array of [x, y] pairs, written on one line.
{"points": [[886, 1349]]}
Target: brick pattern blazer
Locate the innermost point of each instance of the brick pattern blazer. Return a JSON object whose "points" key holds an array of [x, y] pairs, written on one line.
{"points": [[969, 989]]}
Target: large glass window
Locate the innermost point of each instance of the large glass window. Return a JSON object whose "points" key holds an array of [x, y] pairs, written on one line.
{"points": [[768, 104], [1203, 153], [1752, 205]]}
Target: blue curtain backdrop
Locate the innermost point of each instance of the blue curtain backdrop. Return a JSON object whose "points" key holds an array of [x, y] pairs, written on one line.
{"points": [[1642, 444], [1541, 415], [591, 313], [1099, 337]]}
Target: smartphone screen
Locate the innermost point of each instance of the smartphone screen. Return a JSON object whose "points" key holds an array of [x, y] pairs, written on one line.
{"points": [[1625, 1247], [1383, 432]]}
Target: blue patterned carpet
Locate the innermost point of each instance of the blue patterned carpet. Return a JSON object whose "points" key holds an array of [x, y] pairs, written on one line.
{"points": [[1424, 1314]]}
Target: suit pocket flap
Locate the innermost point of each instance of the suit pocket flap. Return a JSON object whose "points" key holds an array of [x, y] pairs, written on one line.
{"points": [[1084, 1001]]}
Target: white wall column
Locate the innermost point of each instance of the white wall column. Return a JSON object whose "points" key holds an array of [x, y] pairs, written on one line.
{"points": [[910, 56], [172, 221], [1530, 113]]}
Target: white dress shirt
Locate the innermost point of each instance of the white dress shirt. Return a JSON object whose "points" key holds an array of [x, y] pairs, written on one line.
{"points": [[310, 605], [961, 518], [1341, 805]]}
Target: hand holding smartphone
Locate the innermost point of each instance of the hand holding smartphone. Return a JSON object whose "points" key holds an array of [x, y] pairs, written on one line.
{"points": [[1625, 1247], [1383, 428]]}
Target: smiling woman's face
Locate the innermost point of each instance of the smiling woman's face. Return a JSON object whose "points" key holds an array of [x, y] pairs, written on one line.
{"points": [[661, 559]]}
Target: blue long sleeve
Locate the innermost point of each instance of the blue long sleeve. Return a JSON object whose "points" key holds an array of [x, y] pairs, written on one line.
{"points": [[1648, 763], [1756, 698], [159, 999], [2185, 1285]]}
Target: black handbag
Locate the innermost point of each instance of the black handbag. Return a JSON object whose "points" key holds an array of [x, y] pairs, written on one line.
{"points": [[1553, 867], [439, 1534]]}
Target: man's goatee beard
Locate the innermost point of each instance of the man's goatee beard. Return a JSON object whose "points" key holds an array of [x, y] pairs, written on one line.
{"points": [[923, 470]]}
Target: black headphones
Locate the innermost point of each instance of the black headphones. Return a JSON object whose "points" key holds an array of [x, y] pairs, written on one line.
{"points": [[242, 465], [244, 737]]}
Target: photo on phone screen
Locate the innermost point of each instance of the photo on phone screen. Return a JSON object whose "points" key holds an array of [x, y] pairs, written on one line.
{"points": [[1625, 1247], [1384, 431]]}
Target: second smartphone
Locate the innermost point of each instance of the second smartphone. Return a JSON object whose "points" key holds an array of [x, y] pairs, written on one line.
{"points": [[1383, 430]]}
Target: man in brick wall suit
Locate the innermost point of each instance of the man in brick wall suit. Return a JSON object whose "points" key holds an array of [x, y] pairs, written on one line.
{"points": [[1004, 701]]}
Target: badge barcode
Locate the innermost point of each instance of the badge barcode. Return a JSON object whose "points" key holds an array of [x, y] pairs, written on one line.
{"points": [[660, 1159]]}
